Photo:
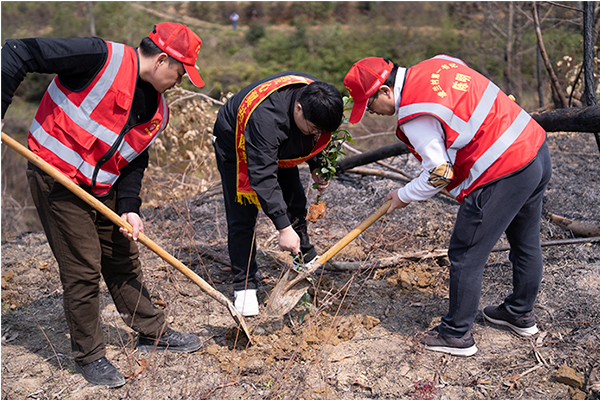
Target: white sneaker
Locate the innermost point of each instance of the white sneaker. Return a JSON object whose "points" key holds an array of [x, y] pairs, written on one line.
{"points": [[246, 302]]}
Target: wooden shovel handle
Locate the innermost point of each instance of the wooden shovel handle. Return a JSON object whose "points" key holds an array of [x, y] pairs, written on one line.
{"points": [[354, 233], [110, 214]]}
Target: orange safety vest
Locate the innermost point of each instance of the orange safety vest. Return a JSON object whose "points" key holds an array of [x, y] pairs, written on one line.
{"points": [[82, 133], [488, 136], [247, 106]]}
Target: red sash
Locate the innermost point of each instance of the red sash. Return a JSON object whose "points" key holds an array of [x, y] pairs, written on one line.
{"points": [[244, 192]]}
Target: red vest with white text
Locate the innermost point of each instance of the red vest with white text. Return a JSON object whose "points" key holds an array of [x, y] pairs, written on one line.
{"points": [[488, 136], [82, 134]]}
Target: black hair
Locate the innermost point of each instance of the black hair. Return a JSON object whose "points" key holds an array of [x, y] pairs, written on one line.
{"points": [[322, 105], [391, 79], [148, 48]]}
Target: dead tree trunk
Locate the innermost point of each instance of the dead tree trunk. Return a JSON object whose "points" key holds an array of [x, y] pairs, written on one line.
{"points": [[588, 59]]}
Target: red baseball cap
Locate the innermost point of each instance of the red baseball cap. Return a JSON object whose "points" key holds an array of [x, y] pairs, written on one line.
{"points": [[363, 80], [182, 44]]}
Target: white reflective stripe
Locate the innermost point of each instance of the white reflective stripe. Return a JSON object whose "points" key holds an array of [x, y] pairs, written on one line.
{"points": [[477, 118], [126, 151], [466, 129], [165, 116], [496, 150], [68, 155], [444, 57], [99, 90], [82, 116]]}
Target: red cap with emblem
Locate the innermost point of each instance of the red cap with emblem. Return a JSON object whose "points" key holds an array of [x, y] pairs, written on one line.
{"points": [[182, 44], [363, 80]]}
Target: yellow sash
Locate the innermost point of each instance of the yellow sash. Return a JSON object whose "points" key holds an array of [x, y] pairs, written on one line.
{"points": [[244, 192]]}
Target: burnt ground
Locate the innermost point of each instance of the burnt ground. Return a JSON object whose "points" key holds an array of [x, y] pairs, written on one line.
{"points": [[356, 337]]}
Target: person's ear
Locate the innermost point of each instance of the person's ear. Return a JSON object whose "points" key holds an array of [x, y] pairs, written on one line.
{"points": [[386, 91], [162, 59]]}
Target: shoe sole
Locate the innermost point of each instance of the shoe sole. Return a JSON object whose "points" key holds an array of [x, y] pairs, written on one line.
{"points": [[455, 351], [249, 313], [116, 384], [532, 330], [151, 348]]}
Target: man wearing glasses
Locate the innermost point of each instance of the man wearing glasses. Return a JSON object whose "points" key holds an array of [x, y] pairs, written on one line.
{"points": [[476, 142], [261, 134]]}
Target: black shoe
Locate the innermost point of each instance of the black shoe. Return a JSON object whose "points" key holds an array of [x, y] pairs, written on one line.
{"points": [[524, 325], [464, 346], [171, 340], [101, 372]]}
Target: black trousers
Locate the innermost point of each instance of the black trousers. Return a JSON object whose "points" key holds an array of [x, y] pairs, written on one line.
{"points": [[512, 205], [88, 246], [241, 218]]}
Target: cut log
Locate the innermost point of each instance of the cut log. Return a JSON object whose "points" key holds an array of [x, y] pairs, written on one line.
{"points": [[368, 157], [583, 229], [581, 119]]}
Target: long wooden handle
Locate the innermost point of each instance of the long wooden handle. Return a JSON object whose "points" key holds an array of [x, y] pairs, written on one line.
{"points": [[354, 233], [110, 214]]}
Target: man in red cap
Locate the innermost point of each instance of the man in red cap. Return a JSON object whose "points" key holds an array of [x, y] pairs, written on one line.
{"points": [[476, 142], [95, 123]]}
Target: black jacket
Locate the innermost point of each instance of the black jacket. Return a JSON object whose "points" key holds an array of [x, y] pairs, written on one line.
{"points": [[271, 134]]}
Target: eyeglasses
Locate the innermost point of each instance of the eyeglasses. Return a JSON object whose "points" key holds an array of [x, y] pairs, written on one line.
{"points": [[370, 104], [312, 129]]}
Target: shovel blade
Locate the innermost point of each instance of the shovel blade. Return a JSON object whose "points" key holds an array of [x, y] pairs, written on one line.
{"points": [[289, 290]]}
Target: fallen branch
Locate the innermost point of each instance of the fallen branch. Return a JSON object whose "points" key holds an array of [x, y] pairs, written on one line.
{"points": [[384, 262], [519, 376], [389, 175], [344, 266]]}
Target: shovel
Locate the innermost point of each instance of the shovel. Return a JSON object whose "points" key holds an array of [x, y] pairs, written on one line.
{"points": [[290, 289], [117, 220]]}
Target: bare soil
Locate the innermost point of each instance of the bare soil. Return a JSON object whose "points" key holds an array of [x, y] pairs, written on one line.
{"points": [[356, 336]]}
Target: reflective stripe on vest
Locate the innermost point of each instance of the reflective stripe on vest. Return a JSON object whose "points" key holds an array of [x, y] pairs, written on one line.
{"points": [[68, 155], [81, 114]]}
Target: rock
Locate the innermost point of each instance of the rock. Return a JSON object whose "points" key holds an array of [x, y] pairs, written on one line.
{"points": [[569, 376], [6, 278], [577, 394], [370, 322]]}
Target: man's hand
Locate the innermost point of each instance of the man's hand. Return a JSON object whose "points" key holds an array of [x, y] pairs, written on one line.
{"points": [[137, 224], [396, 202], [323, 184], [289, 240]]}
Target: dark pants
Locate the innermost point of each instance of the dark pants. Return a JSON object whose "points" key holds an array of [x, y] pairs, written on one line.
{"points": [[87, 246], [512, 205], [241, 218]]}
